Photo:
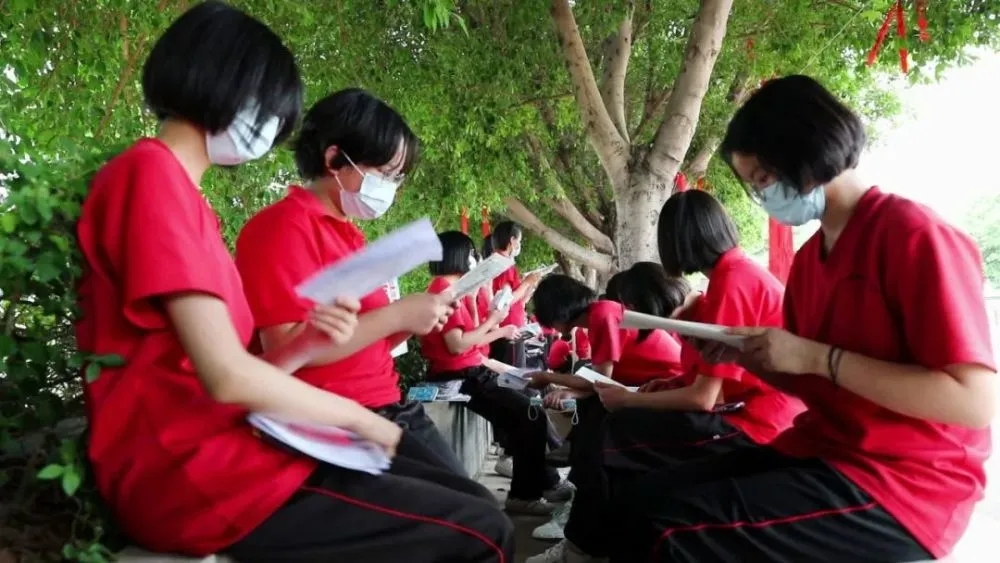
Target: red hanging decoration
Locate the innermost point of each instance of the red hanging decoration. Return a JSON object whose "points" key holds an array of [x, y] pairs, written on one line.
{"points": [[922, 20], [883, 32], [904, 62], [463, 223], [680, 182], [780, 249], [485, 224], [700, 184]]}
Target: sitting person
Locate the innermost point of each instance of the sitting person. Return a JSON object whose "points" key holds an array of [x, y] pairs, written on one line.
{"points": [[456, 351], [886, 340], [172, 453], [353, 152], [506, 240], [566, 351]]}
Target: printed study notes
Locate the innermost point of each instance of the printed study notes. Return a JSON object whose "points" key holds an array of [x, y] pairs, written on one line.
{"points": [[325, 443], [703, 331], [483, 273]]}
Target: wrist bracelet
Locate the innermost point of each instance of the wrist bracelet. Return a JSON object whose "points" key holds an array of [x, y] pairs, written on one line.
{"points": [[833, 363]]}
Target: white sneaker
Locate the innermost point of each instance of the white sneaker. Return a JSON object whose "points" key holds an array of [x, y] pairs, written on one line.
{"points": [[564, 552], [505, 467], [537, 507], [554, 528], [562, 492]]}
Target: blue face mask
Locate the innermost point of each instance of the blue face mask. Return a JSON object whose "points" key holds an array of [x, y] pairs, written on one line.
{"points": [[788, 206]]}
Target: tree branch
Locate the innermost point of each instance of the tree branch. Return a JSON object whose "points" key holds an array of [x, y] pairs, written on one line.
{"points": [[684, 108], [698, 165], [617, 51], [573, 251], [650, 110], [601, 132], [561, 203]]}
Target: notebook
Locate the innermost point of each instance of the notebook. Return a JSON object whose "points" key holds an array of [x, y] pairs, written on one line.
{"points": [[333, 445]]}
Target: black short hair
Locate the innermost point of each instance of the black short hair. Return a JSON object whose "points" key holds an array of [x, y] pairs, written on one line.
{"points": [[364, 127], [503, 233], [487, 247], [798, 131], [457, 248], [647, 288], [560, 299], [214, 61], [612, 290], [694, 230]]}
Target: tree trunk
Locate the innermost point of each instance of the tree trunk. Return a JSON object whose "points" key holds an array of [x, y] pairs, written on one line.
{"points": [[637, 209]]}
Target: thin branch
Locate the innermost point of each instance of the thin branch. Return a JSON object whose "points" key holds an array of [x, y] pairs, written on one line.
{"points": [[617, 51], [520, 213], [684, 108], [698, 165], [650, 110], [123, 78], [601, 132]]}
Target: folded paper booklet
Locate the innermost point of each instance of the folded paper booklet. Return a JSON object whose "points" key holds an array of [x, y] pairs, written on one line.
{"points": [[443, 391], [483, 273], [509, 376], [333, 445], [594, 377], [543, 271], [703, 331], [375, 265]]}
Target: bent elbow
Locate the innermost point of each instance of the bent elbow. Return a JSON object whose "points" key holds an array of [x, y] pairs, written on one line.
{"points": [[224, 384]]}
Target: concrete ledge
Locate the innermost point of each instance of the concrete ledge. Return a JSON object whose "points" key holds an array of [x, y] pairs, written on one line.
{"points": [[136, 555], [468, 433]]}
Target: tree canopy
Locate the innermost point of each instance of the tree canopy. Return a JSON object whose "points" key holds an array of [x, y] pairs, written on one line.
{"points": [[555, 113]]}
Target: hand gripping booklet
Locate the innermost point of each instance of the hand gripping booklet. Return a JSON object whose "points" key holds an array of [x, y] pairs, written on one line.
{"points": [[333, 445], [595, 377], [375, 265], [703, 331], [483, 273]]}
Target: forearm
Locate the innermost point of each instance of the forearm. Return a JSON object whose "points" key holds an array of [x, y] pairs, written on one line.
{"points": [[912, 390], [372, 327], [567, 380], [683, 399]]}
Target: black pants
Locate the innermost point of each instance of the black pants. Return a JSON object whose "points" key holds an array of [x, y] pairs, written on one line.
{"points": [[611, 449], [755, 504], [411, 416], [507, 410], [415, 512]]}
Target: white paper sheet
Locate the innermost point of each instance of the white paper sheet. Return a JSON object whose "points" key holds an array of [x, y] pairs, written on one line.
{"points": [[543, 271], [594, 377], [325, 443], [509, 376], [483, 273], [704, 331], [375, 265]]}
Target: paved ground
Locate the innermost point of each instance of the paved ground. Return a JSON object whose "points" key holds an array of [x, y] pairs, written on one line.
{"points": [[526, 545]]}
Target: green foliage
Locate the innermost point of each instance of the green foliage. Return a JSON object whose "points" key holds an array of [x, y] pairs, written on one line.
{"points": [[480, 81], [983, 223]]}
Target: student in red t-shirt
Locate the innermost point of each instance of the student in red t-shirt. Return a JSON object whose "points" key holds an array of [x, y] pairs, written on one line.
{"points": [[565, 351], [506, 240], [353, 152], [454, 352], [886, 341], [171, 450]]}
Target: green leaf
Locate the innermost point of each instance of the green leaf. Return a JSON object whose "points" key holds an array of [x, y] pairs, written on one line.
{"points": [[52, 471], [8, 222], [92, 372], [71, 480], [109, 360]]}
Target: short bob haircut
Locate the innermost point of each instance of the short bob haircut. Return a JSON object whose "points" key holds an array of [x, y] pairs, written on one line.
{"points": [[694, 230], [646, 288], [503, 233], [364, 127], [457, 249], [560, 300], [214, 61], [798, 131]]}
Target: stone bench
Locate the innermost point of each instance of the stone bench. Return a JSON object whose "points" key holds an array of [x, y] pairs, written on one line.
{"points": [[467, 432]]}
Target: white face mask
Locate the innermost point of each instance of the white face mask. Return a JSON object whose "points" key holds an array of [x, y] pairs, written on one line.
{"points": [[240, 143], [788, 206], [372, 200], [516, 250]]}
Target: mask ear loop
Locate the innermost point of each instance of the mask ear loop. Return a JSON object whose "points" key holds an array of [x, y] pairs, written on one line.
{"points": [[532, 413], [576, 417]]}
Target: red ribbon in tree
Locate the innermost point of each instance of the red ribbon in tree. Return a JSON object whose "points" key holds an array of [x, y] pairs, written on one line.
{"points": [[485, 224], [463, 223], [897, 14], [680, 182], [700, 184]]}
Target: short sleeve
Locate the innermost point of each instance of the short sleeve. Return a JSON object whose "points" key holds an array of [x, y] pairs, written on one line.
{"points": [[940, 290], [719, 306], [509, 277], [166, 237], [605, 336], [460, 319], [273, 255], [582, 344]]}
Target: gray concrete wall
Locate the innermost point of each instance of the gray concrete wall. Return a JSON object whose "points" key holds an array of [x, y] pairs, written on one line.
{"points": [[467, 432]]}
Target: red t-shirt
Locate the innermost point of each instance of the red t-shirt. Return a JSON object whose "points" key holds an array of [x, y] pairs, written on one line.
{"points": [[181, 472], [742, 293], [560, 350], [512, 277], [433, 346], [902, 286], [284, 244], [658, 356]]}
